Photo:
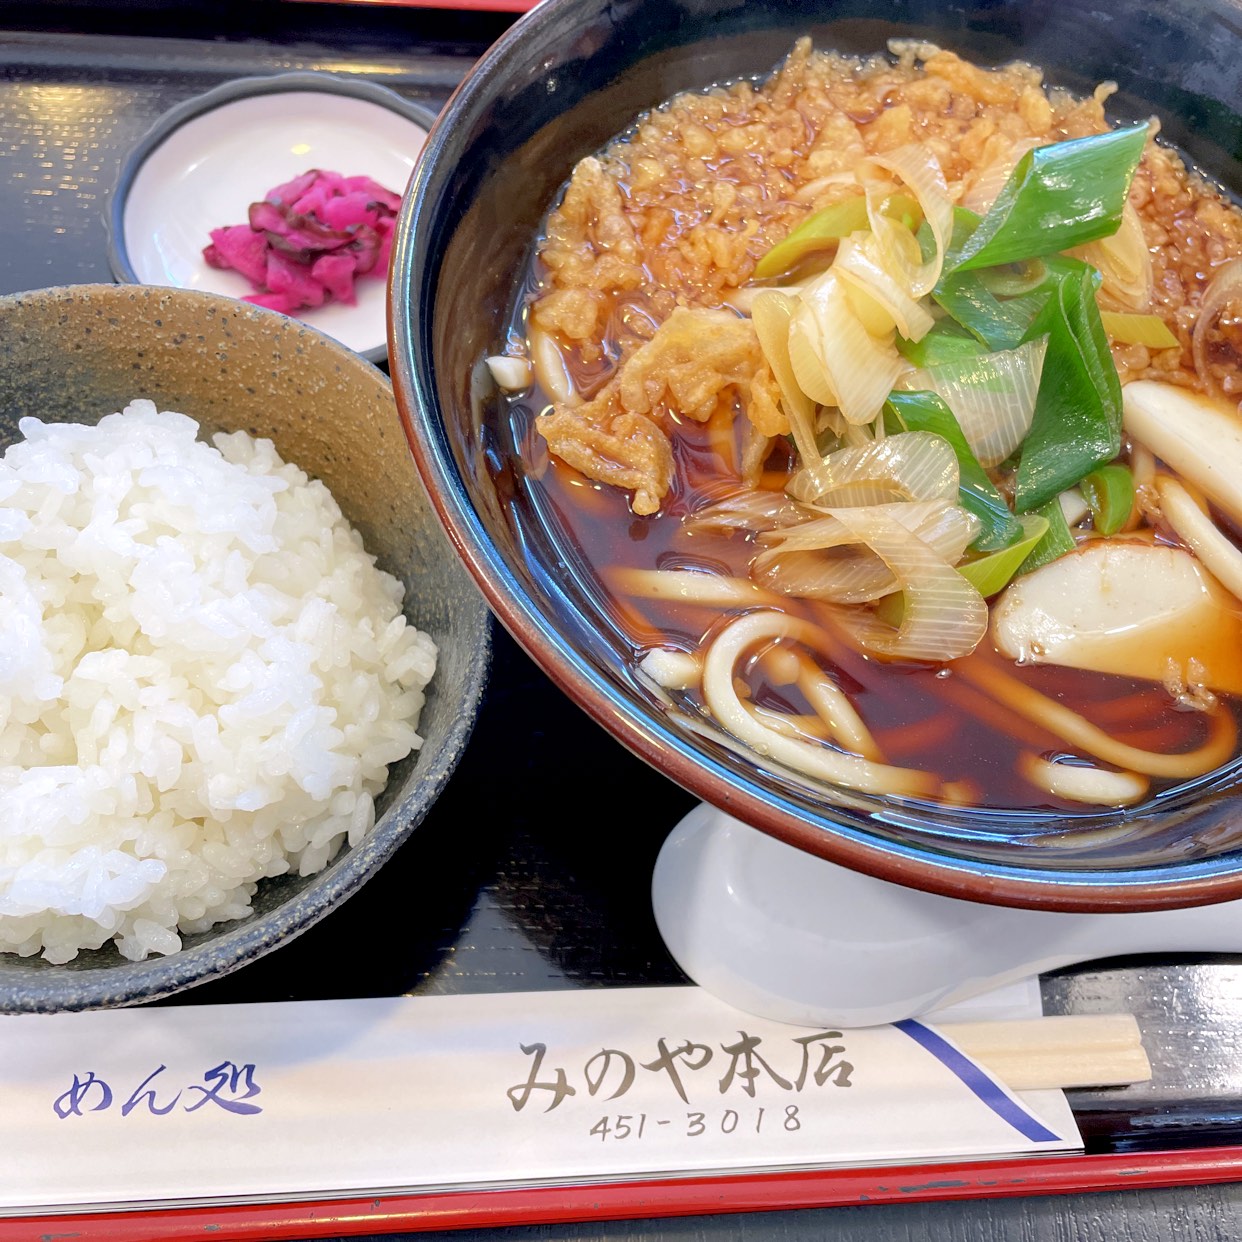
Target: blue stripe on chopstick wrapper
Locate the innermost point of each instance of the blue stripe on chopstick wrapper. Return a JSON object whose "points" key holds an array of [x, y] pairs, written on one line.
{"points": [[979, 1083]]}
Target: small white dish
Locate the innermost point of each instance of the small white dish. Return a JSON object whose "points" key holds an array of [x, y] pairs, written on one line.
{"points": [[205, 161]]}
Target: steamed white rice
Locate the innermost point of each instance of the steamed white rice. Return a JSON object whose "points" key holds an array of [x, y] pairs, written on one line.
{"points": [[203, 680]]}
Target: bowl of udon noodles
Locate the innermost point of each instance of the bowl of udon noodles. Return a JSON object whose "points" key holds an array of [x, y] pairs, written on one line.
{"points": [[240, 659], [841, 406]]}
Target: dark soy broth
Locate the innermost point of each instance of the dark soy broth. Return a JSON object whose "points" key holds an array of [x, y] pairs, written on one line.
{"points": [[927, 717]]}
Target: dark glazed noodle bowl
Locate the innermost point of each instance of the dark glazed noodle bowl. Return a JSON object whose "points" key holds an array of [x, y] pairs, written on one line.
{"points": [[563, 82]]}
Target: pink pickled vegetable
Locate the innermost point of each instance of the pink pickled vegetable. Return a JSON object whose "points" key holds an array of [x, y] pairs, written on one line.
{"points": [[291, 191], [336, 273], [240, 248], [286, 276], [309, 240]]}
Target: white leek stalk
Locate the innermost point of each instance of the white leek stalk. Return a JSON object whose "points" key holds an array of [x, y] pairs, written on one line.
{"points": [[836, 360], [897, 247], [772, 313], [992, 396], [826, 560], [910, 465], [860, 262], [1124, 263], [750, 510], [944, 616]]}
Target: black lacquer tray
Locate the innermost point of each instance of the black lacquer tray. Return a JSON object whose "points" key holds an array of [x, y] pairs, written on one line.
{"points": [[524, 876]]}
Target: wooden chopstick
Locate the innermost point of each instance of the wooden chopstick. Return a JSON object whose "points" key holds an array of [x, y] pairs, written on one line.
{"points": [[1087, 1050]]}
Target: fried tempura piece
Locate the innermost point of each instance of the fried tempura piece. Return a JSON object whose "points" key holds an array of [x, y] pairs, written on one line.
{"points": [[697, 359], [611, 446], [591, 250]]}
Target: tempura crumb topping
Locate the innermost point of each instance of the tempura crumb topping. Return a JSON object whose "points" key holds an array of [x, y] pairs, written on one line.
{"points": [[678, 213]]}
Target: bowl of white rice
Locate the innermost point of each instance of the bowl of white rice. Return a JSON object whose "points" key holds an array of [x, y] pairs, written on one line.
{"points": [[239, 660]]}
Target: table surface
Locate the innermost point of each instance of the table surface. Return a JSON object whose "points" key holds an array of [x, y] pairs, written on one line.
{"points": [[520, 894]]}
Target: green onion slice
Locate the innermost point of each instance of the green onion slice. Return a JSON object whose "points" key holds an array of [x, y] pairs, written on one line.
{"points": [[997, 323], [1014, 279], [925, 411], [946, 342], [827, 227], [989, 574], [1077, 421], [816, 232], [1002, 322], [1056, 540], [1109, 492], [1149, 330], [1057, 196]]}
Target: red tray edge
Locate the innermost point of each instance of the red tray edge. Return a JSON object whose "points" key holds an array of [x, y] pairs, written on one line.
{"points": [[691, 1196]]}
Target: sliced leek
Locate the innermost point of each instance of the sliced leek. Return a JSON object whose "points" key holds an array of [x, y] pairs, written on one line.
{"points": [[944, 617], [817, 232], [826, 560], [858, 369], [913, 465], [897, 246], [992, 396], [772, 315], [1149, 330], [989, 574]]}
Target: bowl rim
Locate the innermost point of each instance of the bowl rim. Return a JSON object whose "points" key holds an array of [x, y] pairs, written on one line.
{"points": [[315, 81], [127, 982], [411, 284]]}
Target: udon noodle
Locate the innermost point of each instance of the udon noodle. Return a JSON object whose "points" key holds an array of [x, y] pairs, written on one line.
{"points": [[894, 403]]}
